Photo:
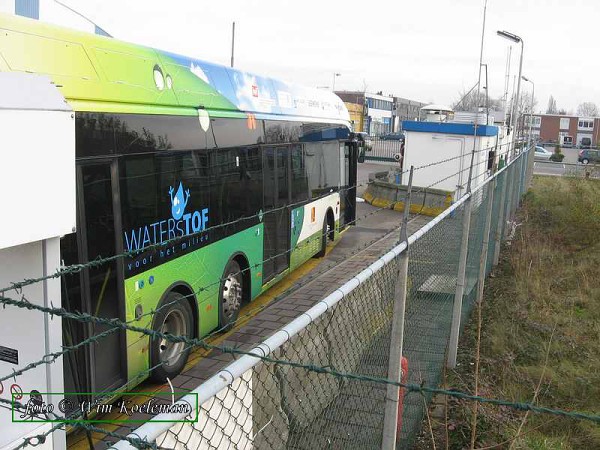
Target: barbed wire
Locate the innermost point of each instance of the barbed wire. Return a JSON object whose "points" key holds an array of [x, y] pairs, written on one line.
{"points": [[194, 342], [55, 355], [76, 268], [409, 387], [51, 357]]}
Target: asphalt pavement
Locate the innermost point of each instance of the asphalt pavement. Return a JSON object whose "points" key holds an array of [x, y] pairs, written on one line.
{"points": [[568, 167]]}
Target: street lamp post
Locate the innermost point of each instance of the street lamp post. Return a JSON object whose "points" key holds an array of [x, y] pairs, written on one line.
{"points": [[531, 110], [516, 39], [335, 75]]}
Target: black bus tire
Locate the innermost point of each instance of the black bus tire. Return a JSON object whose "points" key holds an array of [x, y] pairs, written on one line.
{"points": [[323, 239], [231, 295], [173, 317]]}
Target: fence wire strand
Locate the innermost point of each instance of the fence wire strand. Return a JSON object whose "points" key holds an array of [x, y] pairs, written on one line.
{"points": [[325, 387]]}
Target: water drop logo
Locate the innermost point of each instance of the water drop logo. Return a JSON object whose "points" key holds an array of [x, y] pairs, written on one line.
{"points": [[181, 224], [179, 202]]}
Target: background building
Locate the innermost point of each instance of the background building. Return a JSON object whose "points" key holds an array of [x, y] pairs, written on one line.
{"points": [[377, 110], [406, 110], [379, 114], [52, 12], [564, 129], [357, 115]]}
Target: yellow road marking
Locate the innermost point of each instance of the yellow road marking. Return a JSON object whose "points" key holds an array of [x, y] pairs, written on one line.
{"points": [[78, 441]]}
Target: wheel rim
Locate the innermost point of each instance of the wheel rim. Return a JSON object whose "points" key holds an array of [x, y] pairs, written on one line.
{"points": [[232, 295], [174, 324]]}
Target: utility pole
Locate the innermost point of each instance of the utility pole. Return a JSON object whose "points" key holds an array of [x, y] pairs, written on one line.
{"points": [[466, 225], [232, 42], [335, 75]]}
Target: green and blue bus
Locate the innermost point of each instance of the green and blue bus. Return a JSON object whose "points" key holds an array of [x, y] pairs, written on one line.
{"points": [[214, 182]]}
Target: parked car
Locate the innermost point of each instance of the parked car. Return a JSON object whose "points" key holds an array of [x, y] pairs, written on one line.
{"points": [[541, 154], [589, 156], [392, 137]]}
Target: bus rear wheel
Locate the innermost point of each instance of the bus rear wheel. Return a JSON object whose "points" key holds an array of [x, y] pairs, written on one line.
{"points": [[324, 234], [231, 295], [174, 318]]}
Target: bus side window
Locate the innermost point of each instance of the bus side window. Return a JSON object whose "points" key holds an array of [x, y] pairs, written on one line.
{"points": [[251, 179], [299, 180]]}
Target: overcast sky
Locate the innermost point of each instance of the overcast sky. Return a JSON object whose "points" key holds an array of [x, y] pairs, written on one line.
{"points": [[425, 50]]}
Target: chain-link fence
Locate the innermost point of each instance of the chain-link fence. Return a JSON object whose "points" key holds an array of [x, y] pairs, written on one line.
{"points": [[315, 383], [582, 170]]}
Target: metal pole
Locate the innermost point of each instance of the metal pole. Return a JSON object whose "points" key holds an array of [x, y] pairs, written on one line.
{"points": [[500, 223], [507, 83], [460, 285], [530, 109], [515, 128], [335, 74], [390, 424], [232, 42], [487, 100], [510, 179], [460, 278], [516, 108], [531, 115], [466, 226], [486, 238], [480, 285]]}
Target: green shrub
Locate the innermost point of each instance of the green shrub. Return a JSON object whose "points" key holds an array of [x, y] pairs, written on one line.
{"points": [[557, 156]]}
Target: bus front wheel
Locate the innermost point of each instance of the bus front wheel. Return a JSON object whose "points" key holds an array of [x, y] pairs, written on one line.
{"points": [[173, 317], [231, 295]]}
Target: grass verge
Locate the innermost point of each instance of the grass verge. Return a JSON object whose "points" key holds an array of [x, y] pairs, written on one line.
{"points": [[541, 328]]}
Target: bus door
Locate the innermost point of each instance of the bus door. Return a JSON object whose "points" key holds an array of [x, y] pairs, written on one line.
{"points": [[276, 217], [349, 189], [101, 366]]}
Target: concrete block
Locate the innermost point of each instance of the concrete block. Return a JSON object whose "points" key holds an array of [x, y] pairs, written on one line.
{"points": [[428, 201]]}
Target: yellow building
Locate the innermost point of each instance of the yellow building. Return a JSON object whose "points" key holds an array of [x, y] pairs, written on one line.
{"points": [[356, 111]]}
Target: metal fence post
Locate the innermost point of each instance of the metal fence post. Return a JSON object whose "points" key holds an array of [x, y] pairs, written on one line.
{"points": [[462, 268], [460, 285], [486, 238], [531, 163], [481, 284], [510, 179], [501, 221], [390, 423]]}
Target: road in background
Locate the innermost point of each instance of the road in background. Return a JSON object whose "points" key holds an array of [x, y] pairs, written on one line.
{"points": [[568, 166], [549, 168]]}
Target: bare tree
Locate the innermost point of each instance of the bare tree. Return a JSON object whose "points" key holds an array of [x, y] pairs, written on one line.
{"points": [[525, 106], [468, 101], [587, 109], [551, 109]]}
